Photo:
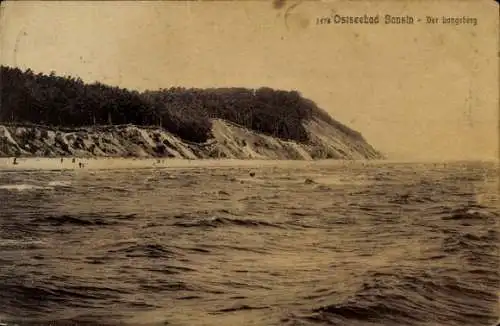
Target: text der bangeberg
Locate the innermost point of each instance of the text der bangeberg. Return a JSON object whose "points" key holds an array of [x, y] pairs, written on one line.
{"points": [[337, 19]]}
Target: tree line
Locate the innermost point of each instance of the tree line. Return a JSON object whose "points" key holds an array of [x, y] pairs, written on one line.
{"points": [[28, 97]]}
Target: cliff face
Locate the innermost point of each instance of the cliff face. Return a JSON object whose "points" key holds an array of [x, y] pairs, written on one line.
{"points": [[228, 141]]}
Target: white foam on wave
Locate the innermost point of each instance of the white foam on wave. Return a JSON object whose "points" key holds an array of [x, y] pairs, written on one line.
{"points": [[22, 187], [59, 183], [479, 213]]}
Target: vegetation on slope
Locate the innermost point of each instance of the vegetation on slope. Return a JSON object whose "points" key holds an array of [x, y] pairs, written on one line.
{"points": [[27, 97]]}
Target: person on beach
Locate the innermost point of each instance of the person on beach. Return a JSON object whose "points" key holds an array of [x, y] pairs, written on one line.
{"points": [[15, 161]]}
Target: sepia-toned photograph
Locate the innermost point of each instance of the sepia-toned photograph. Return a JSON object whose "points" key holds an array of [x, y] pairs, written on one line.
{"points": [[264, 163]]}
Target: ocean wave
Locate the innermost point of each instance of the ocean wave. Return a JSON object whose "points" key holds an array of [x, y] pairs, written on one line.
{"points": [[168, 286], [239, 308], [80, 220], [408, 199], [24, 244], [470, 242], [470, 213], [143, 250], [224, 221], [40, 297], [81, 320], [347, 313], [390, 299]]}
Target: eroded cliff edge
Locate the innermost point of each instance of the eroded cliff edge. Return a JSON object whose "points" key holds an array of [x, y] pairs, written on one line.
{"points": [[228, 140]]}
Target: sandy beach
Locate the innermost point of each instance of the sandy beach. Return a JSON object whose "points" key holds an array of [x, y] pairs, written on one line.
{"points": [[45, 163], [42, 163]]}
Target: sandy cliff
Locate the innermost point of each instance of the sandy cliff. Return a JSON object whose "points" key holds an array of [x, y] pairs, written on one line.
{"points": [[228, 141]]}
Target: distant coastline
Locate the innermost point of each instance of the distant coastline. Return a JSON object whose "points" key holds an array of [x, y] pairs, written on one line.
{"points": [[51, 116]]}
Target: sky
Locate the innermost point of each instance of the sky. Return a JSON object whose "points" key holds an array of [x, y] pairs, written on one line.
{"points": [[421, 91]]}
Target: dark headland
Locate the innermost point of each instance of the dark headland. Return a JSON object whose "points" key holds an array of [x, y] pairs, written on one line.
{"points": [[51, 116]]}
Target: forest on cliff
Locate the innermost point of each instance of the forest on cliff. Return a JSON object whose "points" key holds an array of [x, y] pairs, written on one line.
{"points": [[27, 97]]}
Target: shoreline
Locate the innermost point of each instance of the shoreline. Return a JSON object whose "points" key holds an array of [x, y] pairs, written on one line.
{"points": [[114, 163]]}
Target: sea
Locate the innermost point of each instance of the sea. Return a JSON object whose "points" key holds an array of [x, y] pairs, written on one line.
{"points": [[312, 243]]}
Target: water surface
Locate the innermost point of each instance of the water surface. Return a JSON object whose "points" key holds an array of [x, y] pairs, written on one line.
{"points": [[298, 244]]}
